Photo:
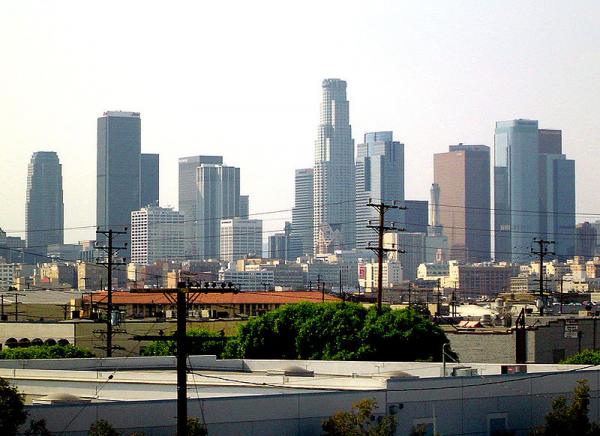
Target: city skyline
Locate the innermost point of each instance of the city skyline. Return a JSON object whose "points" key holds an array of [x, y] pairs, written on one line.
{"points": [[496, 76]]}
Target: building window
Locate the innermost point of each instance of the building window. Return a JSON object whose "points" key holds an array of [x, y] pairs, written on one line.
{"points": [[497, 424]]}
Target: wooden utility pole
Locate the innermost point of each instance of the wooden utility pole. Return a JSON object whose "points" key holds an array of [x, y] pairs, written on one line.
{"points": [[543, 251], [111, 251], [380, 250], [186, 293]]}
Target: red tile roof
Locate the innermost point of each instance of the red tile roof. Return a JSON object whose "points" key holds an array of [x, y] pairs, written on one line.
{"points": [[249, 297]]}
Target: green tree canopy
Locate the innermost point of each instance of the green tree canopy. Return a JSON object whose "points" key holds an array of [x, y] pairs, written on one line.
{"points": [[45, 352], [338, 331], [206, 346], [12, 409]]}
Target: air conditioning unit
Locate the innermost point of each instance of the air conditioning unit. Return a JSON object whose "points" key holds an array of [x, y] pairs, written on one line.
{"points": [[464, 372]]}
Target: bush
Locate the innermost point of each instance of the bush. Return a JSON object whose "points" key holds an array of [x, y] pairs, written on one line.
{"points": [[338, 331], [586, 357], [359, 421], [169, 347], [46, 352]]}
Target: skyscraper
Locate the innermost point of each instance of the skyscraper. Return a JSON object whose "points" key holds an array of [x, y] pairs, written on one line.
{"points": [[463, 177], [416, 216], [188, 199], [334, 188], [534, 190], [380, 177], [208, 192], [244, 211], [44, 210], [302, 213], [118, 170], [516, 189], [149, 179], [557, 194]]}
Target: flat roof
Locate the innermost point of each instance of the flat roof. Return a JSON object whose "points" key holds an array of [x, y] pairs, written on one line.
{"points": [[244, 297]]}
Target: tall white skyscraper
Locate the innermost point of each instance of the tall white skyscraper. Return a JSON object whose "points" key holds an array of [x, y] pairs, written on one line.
{"points": [[302, 213], [334, 186], [240, 238], [380, 177], [156, 234]]}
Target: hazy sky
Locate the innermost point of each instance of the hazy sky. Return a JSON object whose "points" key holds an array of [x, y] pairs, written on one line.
{"points": [[243, 79]]}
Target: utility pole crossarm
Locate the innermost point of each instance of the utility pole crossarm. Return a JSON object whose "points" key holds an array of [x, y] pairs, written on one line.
{"points": [[380, 250]]}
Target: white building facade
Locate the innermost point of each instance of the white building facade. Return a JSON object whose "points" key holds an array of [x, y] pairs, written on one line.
{"points": [[334, 181], [240, 238], [156, 234]]}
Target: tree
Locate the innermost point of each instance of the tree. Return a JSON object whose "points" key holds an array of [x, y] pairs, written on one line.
{"points": [[37, 428], [360, 421], [12, 409], [205, 346], [46, 352], [569, 419], [338, 331], [101, 427]]}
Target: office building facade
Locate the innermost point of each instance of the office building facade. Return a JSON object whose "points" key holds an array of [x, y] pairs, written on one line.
{"points": [[302, 213], [156, 234], [416, 216], [208, 192], [244, 211], [463, 178], [240, 239], [118, 171], [44, 209], [557, 194], [379, 178], [149, 179], [334, 186], [516, 189]]}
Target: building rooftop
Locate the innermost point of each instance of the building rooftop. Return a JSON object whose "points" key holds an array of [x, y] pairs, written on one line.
{"points": [[247, 297]]}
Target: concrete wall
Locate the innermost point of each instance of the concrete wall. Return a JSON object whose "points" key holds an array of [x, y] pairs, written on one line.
{"points": [[92, 335], [483, 347], [456, 406]]}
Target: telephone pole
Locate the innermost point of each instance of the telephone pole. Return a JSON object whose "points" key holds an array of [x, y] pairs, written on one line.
{"points": [[186, 293], [380, 250], [111, 251], [542, 252]]}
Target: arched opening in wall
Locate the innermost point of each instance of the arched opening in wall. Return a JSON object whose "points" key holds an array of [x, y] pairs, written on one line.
{"points": [[11, 342], [49, 342], [63, 342], [37, 341], [24, 342]]}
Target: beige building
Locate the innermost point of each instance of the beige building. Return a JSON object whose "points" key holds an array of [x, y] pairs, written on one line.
{"points": [[90, 276], [479, 279], [368, 275]]}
